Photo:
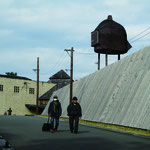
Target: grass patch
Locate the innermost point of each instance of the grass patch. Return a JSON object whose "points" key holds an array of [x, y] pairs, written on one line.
{"points": [[112, 127], [118, 128]]}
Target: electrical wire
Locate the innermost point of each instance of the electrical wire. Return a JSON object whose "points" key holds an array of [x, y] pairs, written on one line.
{"points": [[84, 53], [61, 58], [139, 34], [140, 37], [131, 40], [54, 66], [60, 62]]}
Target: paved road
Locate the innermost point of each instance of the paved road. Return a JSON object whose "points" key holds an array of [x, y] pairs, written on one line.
{"points": [[24, 133]]}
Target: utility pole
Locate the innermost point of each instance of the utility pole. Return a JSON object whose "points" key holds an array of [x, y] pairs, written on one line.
{"points": [[71, 72], [37, 88]]}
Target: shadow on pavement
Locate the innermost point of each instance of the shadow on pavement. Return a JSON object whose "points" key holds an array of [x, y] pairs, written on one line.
{"points": [[81, 144], [80, 132]]}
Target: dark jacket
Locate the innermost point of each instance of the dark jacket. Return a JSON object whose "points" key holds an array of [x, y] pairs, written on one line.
{"points": [[55, 109], [74, 110]]}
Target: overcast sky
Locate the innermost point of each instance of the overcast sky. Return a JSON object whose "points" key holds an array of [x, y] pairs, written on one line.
{"points": [[44, 28]]}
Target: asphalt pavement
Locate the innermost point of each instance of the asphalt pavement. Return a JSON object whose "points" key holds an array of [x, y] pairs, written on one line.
{"points": [[25, 133]]}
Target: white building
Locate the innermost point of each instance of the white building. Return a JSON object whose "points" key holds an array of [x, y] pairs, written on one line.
{"points": [[16, 92]]}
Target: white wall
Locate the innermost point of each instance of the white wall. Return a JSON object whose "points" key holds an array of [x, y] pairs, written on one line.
{"points": [[117, 94], [17, 101]]}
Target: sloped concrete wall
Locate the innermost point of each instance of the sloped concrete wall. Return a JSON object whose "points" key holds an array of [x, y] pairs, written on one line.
{"points": [[117, 94]]}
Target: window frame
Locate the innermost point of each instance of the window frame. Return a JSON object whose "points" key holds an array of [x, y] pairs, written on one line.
{"points": [[16, 89], [1, 88], [31, 90]]}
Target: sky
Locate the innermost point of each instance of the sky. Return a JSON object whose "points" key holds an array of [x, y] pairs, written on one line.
{"points": [[44, 28]]}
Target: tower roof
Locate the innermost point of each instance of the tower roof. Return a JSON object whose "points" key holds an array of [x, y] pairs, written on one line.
{"points": [[111, 37], [60, 75]]}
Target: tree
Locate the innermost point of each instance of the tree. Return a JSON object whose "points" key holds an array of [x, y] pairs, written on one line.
{"points": [[11, 73]]}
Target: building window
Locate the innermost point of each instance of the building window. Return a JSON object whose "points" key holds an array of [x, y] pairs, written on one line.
{"points": [[1, 87], [31, 90], [43, 102], [16, 89]]}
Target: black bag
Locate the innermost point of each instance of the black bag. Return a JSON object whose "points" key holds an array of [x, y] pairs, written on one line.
{"points": [[47, 126]]}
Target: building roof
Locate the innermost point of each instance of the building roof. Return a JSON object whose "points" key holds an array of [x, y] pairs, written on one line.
{"points": [[60, 75], [14, 77], [46, 96]]}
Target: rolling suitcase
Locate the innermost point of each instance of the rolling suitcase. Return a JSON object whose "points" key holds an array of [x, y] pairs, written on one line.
{"points": [[47, 126]]}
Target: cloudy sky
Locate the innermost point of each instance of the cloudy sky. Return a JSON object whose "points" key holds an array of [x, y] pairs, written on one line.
{"points": [[44, 28]]}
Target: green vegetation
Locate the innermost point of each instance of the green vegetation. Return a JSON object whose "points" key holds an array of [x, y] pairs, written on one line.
{"points": [[112, 127], [11, 73], [118, 128]]}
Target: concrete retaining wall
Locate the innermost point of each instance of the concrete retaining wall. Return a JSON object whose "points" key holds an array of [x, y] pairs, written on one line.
{"points": [[117, 94]]}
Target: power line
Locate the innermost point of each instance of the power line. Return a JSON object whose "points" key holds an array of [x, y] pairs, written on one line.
{"points": [[84, 53], [54, 66], [61, 60], [140, 37], [139, 34]]}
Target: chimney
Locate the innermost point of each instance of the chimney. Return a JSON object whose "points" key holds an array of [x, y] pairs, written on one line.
{"points": [[109, 17]]}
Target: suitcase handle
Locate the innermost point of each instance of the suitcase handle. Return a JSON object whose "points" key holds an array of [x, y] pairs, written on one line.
{"points": [[48, 120]]}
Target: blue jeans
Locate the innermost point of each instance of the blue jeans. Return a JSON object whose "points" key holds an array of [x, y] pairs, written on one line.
{"points": [[56, 120]]}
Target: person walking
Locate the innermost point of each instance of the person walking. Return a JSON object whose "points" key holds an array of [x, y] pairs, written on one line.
{"points": [[75, 113], [9, 111], [54, 111]]}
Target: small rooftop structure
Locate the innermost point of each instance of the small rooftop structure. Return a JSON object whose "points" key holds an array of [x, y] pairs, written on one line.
{"points": [[60, 75], [110, 37], [61, 79]]}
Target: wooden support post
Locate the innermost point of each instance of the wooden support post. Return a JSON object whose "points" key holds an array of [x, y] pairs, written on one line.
{"points": [[106, 60], [118, 56], [98, 61]]}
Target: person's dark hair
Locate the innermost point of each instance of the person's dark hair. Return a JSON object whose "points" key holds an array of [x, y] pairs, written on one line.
{"points": [[75, 98], [55, 97]]}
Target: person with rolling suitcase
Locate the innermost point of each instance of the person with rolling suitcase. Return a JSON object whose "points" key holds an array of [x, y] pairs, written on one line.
{"points": [[54, 111], [46, 126]]}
